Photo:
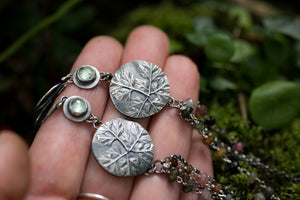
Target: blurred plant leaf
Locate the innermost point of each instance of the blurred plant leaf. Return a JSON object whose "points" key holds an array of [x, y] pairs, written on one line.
{"points": [[197, 38], [220, 83], [275, 104], [258, 70], [204, 27], [276, 49], [242, 50], [242, 17], [204, 24], [203, 85], [284, 25], [169, 17], [62, 10], [219, 47]]}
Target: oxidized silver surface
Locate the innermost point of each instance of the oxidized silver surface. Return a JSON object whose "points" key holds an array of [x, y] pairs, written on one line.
{"points": [[123, 147], [139, 89]]}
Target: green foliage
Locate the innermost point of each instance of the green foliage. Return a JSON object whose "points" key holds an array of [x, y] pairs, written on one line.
{"points": [[204, 27], [292, 192], [46, 22], [243, 52], [282, 24], [219, 47], [275, 104], [242, 17], [166, 15]]}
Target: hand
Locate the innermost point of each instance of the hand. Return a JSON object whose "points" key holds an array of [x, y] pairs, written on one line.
{"points": [[61, 162]]}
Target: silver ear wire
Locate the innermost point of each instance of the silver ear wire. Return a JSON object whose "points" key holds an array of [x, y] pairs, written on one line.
{"points": [[42, 107]]}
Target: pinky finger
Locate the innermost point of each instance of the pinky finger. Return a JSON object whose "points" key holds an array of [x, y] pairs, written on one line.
{"points": [[200, 158], [14, 166]]}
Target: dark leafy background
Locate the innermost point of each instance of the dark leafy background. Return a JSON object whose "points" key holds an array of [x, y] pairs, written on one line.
{"points": [[248, 54]]}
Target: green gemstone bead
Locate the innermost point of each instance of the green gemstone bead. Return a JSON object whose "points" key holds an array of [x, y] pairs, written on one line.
{"points": [[86, 74], [188, 187], [173, 175], [78, 107], [186, 112]]}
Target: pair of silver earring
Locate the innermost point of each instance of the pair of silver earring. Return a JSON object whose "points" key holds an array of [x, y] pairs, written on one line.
{"points": [[139, 89]]}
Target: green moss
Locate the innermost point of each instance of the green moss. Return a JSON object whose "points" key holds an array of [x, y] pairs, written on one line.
{"points": [[279, 149], [292, 192]]}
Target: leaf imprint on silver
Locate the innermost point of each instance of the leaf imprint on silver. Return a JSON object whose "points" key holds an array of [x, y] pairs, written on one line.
{"points": [[123, 147], [139, 89]]}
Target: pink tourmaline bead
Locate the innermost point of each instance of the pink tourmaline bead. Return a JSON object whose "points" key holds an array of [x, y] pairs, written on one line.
{"points": [[201, 110], [205, 195], [203, 179], [238, 146]]}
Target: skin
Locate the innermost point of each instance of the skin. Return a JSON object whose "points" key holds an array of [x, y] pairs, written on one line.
{"points": [[61, 164]]}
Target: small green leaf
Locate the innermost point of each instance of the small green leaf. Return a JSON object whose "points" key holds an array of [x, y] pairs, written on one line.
{"points": [[203, 24], [204, 27], [219, 47], [242, 17], [275, 104], [284, 25], [197, 38], [221, 84], [242, 50]]}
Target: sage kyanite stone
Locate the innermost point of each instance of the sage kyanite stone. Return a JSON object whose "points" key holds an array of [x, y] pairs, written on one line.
{"points": [[86, 74], [78, 107]]}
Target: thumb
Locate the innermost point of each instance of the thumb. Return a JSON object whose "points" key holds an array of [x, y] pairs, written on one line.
{"points": [[14, 166]]}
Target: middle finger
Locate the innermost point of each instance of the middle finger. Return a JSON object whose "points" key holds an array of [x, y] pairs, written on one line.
{"points": [[144, 43]]}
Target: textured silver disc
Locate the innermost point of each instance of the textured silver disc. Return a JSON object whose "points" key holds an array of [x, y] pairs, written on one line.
{"points": [[139, 89], [123, 147]]}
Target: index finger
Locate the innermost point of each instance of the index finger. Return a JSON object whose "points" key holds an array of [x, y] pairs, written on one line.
{"points": [[61, 147]]}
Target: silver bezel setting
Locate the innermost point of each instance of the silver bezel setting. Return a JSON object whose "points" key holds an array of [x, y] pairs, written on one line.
{"points": [[76, 117], [86, 84]]}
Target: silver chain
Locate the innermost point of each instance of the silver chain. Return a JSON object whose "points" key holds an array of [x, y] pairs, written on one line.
{"points": [[173, 103], [94, 121], [106, 76]]}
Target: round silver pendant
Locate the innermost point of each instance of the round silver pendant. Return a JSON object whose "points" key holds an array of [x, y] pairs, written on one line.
{"points": [[86, 76], [77, 108], [123, 147], [139, 89]]}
